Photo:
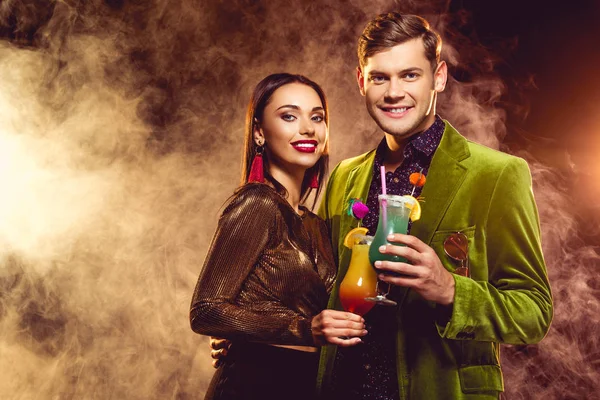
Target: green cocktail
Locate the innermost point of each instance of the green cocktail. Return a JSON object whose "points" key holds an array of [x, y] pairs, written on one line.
{"points": [[393, 218]]}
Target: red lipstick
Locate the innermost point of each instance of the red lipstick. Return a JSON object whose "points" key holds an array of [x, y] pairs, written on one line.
{"points": [[305, 146]]}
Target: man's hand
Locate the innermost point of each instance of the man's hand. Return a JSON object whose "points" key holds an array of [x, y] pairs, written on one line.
{"points": [[218, 350], [425, 274], [337, 327]]}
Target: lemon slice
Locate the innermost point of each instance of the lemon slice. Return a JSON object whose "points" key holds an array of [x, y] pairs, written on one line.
{"points": [[415, 207], [354, 236]]}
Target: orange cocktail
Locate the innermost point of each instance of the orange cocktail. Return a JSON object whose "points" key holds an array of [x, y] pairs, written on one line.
{"points": [[360, 281]]}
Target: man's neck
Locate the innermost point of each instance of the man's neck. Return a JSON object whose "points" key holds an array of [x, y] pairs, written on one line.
{"points": [[394, 153]]}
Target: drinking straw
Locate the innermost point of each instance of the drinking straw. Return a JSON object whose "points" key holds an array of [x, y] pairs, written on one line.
{"points": [[383, 201]]}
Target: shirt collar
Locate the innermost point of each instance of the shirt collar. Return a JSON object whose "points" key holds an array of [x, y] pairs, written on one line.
{"points": [[425, 142]]}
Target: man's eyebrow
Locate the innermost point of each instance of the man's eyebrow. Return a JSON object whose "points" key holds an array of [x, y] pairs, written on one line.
{"points": [[402, 72], [412, 69]]}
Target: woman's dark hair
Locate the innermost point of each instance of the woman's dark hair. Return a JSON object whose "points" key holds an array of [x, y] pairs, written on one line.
{"points": [[259, 100]]}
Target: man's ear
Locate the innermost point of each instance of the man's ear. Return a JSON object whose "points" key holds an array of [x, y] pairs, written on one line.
{"points": [[440, 76], [361, 80]]}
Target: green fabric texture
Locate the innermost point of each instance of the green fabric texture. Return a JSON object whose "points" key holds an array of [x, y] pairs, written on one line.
{"points": [[487, 195]]}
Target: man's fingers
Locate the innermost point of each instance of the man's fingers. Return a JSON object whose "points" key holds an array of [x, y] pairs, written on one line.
{"points": [[216, 354], [406, 252], [408, 240], [216, 363], [403, 269], [217, 343]]}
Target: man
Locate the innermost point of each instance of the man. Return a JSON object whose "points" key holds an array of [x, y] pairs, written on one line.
{"points": [[442, 340]]}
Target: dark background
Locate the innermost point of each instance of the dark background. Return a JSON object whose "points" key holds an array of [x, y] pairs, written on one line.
{"points": [[549, 55], [551, 52], [145, 99]]}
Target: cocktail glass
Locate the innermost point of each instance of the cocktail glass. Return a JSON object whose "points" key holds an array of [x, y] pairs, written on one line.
{"points": [[360, 281], [393, 218]]}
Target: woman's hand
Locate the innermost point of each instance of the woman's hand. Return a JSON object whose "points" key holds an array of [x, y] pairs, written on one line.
{"points": [[337, 327]]}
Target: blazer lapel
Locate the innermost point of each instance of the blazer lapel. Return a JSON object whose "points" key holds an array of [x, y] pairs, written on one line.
{"points": [[359, 181], [444, 178]]}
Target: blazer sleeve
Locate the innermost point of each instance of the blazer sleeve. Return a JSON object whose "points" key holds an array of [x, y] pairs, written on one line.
{"points": [[246, 228], [324, 210], [325, 213], [515, 305]]}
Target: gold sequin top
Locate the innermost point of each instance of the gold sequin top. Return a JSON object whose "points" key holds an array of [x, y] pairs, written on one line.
{"points": [[267, 273]]}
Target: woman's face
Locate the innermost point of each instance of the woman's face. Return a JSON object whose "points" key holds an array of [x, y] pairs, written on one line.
{"points": [[293, 129]]}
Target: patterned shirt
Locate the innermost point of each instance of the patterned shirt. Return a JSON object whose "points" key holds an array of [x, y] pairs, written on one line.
{"points": [[368, 370]]}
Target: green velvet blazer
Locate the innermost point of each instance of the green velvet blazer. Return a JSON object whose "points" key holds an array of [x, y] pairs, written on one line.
{"points": [[487, 195]]}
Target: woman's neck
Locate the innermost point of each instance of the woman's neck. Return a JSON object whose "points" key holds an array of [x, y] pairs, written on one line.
{"points": [[292, 182]]}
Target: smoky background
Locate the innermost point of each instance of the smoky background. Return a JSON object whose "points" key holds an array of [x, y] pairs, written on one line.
{"points": [[121, 132]]}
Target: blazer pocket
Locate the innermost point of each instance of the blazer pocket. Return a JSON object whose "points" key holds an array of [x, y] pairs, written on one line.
{"points": [[481, 378], [440, 236], [437, 244]]}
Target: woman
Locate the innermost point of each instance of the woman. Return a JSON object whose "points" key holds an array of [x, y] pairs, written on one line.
{"points": [[269, 270]]}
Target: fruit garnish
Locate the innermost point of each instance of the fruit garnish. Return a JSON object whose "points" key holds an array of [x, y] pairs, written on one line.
{"points": [[415, 207], [357, 209], [417, 179], [354, 236]]}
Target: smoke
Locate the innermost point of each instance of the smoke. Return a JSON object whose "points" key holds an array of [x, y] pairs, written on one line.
{"points": [[566, 364], [121, 126]]}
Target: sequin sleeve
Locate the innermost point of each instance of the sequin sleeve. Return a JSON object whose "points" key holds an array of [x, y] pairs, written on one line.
{"points": [[250, 224]]}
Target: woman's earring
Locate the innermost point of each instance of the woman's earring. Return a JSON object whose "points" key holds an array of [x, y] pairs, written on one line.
{"points": [[314, 179], [257, 169]]}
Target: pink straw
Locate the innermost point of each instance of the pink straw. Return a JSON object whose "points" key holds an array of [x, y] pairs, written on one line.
{"points": [[383, 202]]}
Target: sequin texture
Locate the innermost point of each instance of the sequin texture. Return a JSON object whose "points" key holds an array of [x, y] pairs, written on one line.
{"points": [[267, 273]]}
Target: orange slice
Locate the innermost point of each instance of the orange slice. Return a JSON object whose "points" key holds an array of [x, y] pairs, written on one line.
{"points": [[354, 236], [415, 207], [417, 179]]}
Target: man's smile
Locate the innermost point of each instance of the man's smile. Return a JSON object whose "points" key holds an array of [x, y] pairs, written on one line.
{"points": [[395, 111]]}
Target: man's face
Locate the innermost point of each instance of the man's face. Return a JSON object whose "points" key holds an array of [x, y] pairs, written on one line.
{"points": [[400, 89]]}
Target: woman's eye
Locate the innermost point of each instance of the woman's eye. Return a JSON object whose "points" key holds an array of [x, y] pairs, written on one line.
{"points": [[288, 117], [318, 118]]}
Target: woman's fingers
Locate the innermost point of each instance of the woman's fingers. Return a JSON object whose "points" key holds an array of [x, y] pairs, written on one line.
{"points": [[341, 315], [345, 342], [338, 327]]}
